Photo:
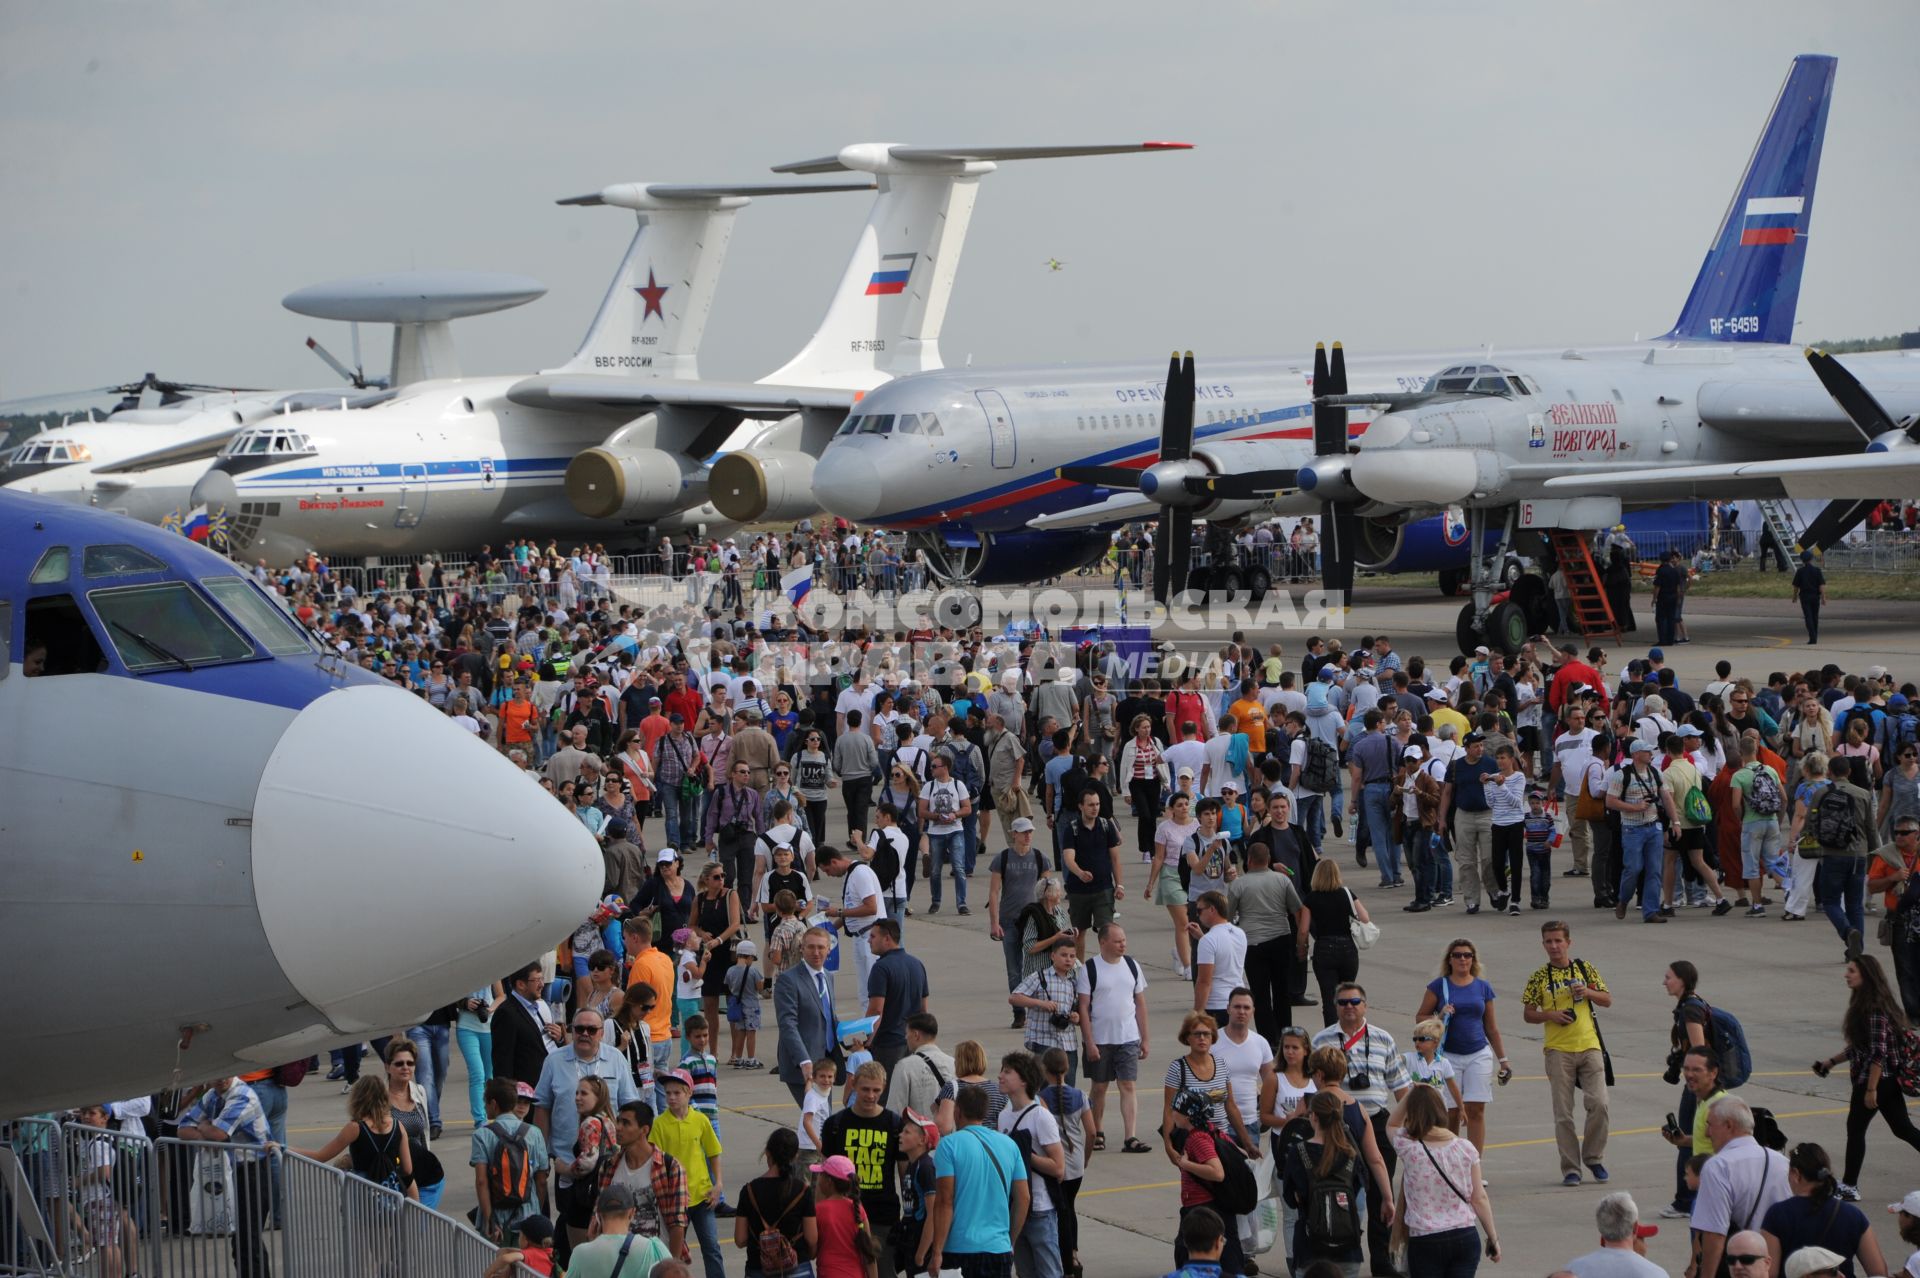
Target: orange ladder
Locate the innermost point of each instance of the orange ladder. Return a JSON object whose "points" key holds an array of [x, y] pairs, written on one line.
{"points": [[1591, 611]]}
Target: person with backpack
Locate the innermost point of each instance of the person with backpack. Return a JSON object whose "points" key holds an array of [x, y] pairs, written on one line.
{"points": [[510, 1165], [776, 1225], [619, 1246], [1841, 822], [1322, 1181], [1896, 873], [1900, 787], [1211, 1170], [1034, 1129], [1759, 798], [1445, 1203], [945, 804]]}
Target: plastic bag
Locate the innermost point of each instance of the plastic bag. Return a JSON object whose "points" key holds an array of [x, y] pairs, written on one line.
{"points": [[1260, 1228]]}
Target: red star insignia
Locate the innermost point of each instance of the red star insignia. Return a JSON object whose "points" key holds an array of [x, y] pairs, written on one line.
{"points": [[653, 292]]}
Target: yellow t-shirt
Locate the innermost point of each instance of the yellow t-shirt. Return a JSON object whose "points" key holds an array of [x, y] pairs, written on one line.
{"points": [[1443, 715], [1681, 776], [691, 1140], [1551, 988]]}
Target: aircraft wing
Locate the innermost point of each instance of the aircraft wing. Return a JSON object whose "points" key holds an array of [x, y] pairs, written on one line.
{"points": [[1117, 509], [620, 396], [1847, 475], [205, 448]]}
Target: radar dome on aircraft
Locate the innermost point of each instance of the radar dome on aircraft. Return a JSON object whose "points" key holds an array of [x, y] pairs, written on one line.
{"points": [[414, 297]]}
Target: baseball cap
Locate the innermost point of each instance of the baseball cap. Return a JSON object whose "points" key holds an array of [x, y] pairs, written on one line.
{"points": [[925, 1124], [1637, 745], [1645, 1231], [1876, 672], [1898, 701], [1812, 1260], [1412, 754], [524, 1091], [746, 949], [840, 1167], [1475, 736], [1226, 786], [1910, 1204], [1022, 825], [1481, 651], [538, 1228], [1436, 694], [679, 1076], [665, 855], [616, 1197], [653, 701], [1186, 772], [1687, 730], [676, 717], [1655, 654]]}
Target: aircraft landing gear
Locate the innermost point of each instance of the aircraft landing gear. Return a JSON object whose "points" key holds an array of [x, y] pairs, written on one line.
{"points": [[1480, 622]]}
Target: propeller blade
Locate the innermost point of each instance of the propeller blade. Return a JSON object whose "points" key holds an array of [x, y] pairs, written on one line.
{"points": [[326, 356], [1176, 418], [1252, 484], [1836, 521], [1162, 555], [1856, 400], [1177, 526], [1329, 420], [1339, 545], [1126, 477]]}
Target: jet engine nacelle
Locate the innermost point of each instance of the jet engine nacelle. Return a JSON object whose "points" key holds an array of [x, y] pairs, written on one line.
{"points": [[751, 486], [633, 483]]}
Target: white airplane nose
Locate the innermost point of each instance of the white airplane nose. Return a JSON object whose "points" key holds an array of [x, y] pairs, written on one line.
{"points": [[398, 862], [215, 490], [847, 483]]}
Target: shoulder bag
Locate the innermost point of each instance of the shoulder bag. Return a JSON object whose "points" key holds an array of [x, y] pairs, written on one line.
{"points": [[1364, 933]]}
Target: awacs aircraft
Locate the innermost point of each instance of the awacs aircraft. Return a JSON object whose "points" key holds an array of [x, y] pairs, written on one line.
{"points": [[614, 443], [214, 847], [144, 460], [1719, 407], [1011, 474]]}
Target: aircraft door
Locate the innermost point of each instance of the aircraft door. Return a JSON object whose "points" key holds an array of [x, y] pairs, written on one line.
{"points": [[413, 496], [1002, 442]]}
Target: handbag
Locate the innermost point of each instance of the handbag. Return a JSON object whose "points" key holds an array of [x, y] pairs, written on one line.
{"points": [[1364, 932]]}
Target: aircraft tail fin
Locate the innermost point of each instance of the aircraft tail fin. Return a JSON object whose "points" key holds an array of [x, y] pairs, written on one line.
{"points": [[655, 312], [1749, 286], [887, 310]]}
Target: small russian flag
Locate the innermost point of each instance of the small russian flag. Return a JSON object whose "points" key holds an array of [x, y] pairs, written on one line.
{"points": [[796, 582], [892, 275], [1771, 220], [197, 526]]}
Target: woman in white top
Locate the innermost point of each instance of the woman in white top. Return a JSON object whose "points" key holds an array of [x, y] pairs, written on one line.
{"points": [[1143, 770], [1528, 699], [1507, 800], [1163, 880], [1281, 1098], [1446, 1203]]}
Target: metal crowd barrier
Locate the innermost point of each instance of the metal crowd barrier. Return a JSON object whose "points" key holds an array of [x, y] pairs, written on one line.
{"points": [[98, 1203]]}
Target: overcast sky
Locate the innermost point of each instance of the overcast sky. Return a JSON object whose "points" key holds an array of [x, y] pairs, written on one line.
{"points": [[1402, 176]]}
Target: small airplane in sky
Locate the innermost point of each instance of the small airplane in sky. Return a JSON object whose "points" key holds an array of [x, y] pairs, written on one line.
{"points": [[1054, 264]]}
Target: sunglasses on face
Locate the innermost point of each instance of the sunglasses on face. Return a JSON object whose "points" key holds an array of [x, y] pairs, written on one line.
{"points": [[1463, 954], [1425, 1038], [1350, 1002], [1732, 1259]]}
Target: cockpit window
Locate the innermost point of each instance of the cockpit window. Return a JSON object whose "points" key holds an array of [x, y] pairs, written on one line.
{"points": [[166, 625], [118, 561], [58, 640], [266, 622], [53, 566], [930, 423], [849, 426], [910, 423], [877, 424], [264, 441], [1491, 385]]}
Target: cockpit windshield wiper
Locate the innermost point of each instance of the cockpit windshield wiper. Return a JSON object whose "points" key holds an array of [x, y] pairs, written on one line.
{"points": [[153, 647]]}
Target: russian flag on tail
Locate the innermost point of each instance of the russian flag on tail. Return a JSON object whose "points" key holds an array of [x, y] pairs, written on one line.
{"points": [[1771, 220], [796, 582], [892, 275]]}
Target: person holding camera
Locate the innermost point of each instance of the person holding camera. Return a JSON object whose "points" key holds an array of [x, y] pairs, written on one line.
{"points": [[1700, 1070], [735, 820], [1052, 1005], [1692, 1027], [1561, 995]]}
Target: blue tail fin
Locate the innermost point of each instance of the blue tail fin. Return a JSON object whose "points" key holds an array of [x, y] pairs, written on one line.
{"points": [[1749, 286]]}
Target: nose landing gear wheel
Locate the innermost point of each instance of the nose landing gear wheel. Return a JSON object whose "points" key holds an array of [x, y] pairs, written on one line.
{"points": [[1259, 581], [1226, 582], [1507, 628]]}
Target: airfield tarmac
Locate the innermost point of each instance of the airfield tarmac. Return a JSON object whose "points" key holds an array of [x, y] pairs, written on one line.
{"points": [[1783, 980]]}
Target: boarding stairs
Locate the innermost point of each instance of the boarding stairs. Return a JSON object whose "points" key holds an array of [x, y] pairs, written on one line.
{"points": [[1780, 519], [1592, 614]]}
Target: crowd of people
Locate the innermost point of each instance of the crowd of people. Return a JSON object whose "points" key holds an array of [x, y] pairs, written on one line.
{"points": [[709, 760]]}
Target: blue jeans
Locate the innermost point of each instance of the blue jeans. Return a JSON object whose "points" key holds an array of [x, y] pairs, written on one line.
{"points": [[1313, 819], [1842, 884], [700, 1224], [273, 1107], [1376, 798], [944, 849], [476, 1049], [432, 1043], [1015, 955], [1641, 859], [1036, 1252], [682, 816], [1451, 1253]]}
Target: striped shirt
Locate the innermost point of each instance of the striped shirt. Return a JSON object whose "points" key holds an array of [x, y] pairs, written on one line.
{"points": [[1507, 799]]}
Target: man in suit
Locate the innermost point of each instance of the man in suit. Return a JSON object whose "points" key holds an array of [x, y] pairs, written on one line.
{"points": [[803, 1006], [520, 1026]]}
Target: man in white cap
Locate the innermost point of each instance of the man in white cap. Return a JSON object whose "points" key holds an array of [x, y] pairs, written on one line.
{"points": [[1908, 1211], [1639, 793], [1814, 1262]]}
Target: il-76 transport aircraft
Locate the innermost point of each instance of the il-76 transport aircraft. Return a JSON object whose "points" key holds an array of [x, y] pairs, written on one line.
{"points": [[1004, 474]]}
